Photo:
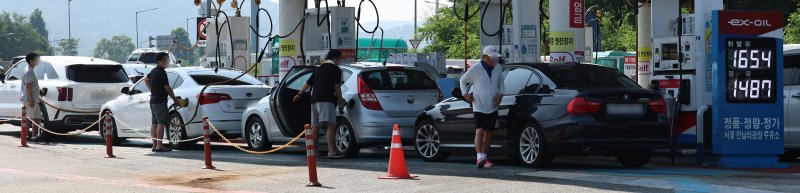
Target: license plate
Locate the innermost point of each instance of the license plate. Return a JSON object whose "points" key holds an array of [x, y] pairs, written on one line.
{"points": [[625, 109], [240, 104]]}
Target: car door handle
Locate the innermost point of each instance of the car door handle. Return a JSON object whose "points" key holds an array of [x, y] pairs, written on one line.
{"points": [[796, 95]]}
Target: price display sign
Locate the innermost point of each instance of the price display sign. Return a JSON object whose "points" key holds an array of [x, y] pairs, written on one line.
{"points": [[751, 70], [747, 88]]}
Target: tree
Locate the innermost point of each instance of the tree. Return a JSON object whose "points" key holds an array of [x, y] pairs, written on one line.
{"points": [[17, 37], [446, 32], [184, 55], [68, 47], [792, 31], [117, 48], [37, 21]]}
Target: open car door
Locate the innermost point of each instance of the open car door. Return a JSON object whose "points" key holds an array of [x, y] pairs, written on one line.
{"points": [[289, 115]]}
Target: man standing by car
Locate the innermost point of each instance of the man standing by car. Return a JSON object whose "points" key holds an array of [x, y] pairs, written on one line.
{"points": [[485, 95], [159, 87], [326, 94], [30, 93]]}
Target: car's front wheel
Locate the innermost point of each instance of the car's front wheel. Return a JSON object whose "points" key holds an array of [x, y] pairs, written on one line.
{"points": [[256, 134], [532, 147], [428, 143], [634, 159], [177, 135]]}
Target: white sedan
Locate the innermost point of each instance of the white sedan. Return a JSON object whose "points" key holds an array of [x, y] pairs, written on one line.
{"points": [[223, 104]]}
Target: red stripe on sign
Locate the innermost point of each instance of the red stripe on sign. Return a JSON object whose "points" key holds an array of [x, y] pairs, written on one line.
{"points": [[749, 22], [576, 13]]}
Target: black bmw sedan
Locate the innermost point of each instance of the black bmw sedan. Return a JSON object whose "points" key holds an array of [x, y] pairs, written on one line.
{"points": [[554, 109]]}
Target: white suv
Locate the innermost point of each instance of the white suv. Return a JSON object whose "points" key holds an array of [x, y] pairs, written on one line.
{"points": [[70, 83], [148, 56]]}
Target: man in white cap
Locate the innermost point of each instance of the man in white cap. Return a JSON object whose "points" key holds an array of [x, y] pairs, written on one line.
{"points": [[485, 95]]}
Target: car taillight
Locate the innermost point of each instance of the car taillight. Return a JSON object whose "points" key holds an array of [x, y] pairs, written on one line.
{"points": [[368, 98], [581, 105], [64, 93], [211, 98], [657, 105]]}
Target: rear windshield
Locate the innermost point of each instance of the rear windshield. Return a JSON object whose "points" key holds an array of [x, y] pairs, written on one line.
{"points": [[97, 73], [148, 57], [205, 79], [581, 77], [398, 80]]}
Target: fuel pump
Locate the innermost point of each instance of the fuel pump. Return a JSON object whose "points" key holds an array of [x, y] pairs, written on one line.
{"points": [[681, 64], [329, 28], [228, 40], [518, 41]]}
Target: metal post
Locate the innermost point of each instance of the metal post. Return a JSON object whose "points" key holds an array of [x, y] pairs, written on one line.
{"points": [[24, 128], [109, 136], [69, 18], [137, 29], [645, 45], [415, 20], [206, 145], [311, 155]]}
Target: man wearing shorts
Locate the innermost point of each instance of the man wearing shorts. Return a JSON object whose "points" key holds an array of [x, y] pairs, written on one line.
{"points": [[485, 95], [158, 84], [30, 94], [326, 94]]}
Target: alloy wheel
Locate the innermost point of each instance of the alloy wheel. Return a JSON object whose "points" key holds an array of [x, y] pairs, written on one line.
{"points": [[342, 138], [427, 141], [256, 130], [529, 145], [175, 132]]}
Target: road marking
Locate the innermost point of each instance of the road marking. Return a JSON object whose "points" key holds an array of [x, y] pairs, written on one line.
{"points": [[87, 179], [677, 183]]}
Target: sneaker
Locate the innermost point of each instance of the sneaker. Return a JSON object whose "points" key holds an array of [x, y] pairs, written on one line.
{"points": [[488, 163], [481, 162]]}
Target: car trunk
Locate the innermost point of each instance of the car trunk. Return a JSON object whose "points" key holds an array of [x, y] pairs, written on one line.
{"points": [[402, 92], [241, 96], [622, 104], [92, 85]]}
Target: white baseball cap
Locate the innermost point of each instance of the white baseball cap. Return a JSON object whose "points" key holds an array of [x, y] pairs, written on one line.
{"points": [[491, 51]]}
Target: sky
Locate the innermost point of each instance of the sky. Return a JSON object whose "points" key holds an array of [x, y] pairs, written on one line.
{"points": [[93, 20]]}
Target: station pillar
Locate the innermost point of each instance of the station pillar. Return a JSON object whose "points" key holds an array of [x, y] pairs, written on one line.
{"points": [[644, 50], [292, 13], [566, 31]]}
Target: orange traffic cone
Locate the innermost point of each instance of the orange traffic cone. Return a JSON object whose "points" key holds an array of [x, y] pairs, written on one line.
{"points": [[397, 160]]}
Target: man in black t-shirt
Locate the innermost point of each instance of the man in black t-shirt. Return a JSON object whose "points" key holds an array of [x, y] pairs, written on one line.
{"points": [[326, 94], [159, 87]]}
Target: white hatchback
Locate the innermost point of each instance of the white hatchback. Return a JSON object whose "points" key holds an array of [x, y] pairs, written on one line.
{"points": [[75, 85], [223, 104]]}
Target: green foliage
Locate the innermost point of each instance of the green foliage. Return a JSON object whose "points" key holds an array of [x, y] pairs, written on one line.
{"points": [[186, 56], [37, 21], [67, 47], [791, 33], [18, 37], [447, 32], [117, 48]]}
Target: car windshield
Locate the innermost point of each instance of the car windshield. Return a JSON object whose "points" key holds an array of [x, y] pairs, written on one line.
{"points": [[148, 57], [582, 77], [205, 79], [398, 80], [97, 73]]}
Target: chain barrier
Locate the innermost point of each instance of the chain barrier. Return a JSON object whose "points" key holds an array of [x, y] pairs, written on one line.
{"points": [[251, 151], [65, 110], [71, 133], [150, 137]]}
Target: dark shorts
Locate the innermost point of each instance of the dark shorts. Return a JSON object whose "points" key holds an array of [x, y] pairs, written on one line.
{"points": [[487, 122], [159, 112]]}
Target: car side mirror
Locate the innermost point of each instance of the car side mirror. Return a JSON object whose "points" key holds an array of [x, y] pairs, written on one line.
{"points": [[456, 92], [125, 90]]}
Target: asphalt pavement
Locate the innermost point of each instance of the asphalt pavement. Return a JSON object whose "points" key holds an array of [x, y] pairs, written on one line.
{"points": [[76, 164]]}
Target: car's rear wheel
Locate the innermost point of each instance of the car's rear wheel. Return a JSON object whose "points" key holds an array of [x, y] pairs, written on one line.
{"points": [[256, 134], [427, 142], [177, 134], [115, 140], [345, 139], [634, 159], [532, 147]]}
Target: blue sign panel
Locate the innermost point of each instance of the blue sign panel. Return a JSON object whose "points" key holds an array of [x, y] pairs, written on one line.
{"points": [[748, 88]]}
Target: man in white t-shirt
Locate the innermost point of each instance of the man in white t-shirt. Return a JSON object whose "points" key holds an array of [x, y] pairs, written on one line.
{"points": [[485, 95], [29, 94]]}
